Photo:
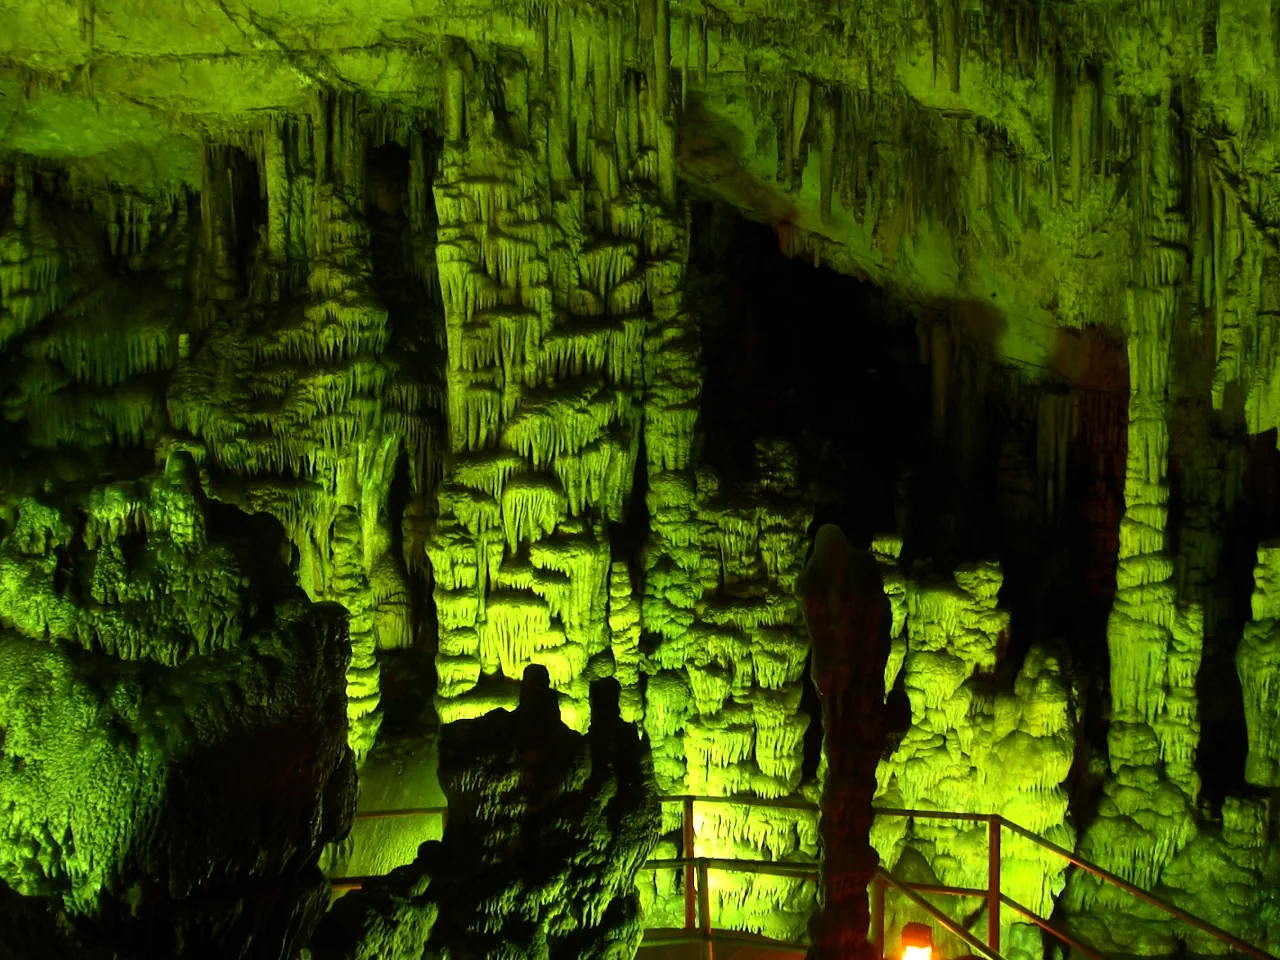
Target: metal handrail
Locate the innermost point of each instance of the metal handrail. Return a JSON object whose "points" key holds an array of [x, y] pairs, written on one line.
{"points": [[940, 918], [1106, 875], [678, 937], [993, 894], [766, 867], [995, 898]]}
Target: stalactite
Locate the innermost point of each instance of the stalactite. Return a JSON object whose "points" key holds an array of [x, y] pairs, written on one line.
{"points": [[827, 139], [662, 58]]}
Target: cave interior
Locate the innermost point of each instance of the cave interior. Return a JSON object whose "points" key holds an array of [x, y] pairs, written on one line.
{"points": [[417, 421]]}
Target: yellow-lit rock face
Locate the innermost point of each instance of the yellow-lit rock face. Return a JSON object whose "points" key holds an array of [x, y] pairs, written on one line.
{"points": [[550, 290], [151, 664]]}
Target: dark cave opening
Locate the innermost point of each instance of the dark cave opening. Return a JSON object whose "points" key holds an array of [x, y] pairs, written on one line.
{"points": [[814, 357], [811, 356], [906, 419], [260, 542]]}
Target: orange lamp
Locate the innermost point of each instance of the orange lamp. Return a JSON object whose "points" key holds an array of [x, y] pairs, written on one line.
{"points": [[917, 942]]}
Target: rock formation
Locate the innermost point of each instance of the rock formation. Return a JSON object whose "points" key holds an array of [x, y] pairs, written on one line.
{"points": [[547, 830], [173, 727], [849, 619], [722, 701], [980, 745]]}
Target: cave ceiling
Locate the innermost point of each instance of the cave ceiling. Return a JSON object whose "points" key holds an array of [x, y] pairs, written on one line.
{"points": [[992, 152]]}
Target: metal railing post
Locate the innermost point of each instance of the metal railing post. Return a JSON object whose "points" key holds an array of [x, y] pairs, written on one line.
{"points": [[704, 911], [686, 825], [993, 883], [696, 869], [940, 918], [877, 916]]}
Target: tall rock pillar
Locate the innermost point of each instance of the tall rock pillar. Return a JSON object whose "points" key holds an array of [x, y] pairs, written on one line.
{"points": [[1147, 811], [849, 618]]}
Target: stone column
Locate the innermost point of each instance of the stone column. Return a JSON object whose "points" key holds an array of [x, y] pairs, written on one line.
{"points": [[849, 618]]}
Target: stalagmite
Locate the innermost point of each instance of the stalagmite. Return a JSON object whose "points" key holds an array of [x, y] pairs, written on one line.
{"points": [[849, 619]]}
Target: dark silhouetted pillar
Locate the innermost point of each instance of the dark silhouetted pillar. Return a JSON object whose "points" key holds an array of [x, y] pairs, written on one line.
{"points": [[849, 618]]}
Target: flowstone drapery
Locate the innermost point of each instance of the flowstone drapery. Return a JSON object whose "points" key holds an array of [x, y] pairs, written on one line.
{"points": [[979, 745], [558, 259]]}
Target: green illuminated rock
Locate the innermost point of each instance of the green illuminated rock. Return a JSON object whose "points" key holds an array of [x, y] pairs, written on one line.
{"points": [[723, 702], [297, 404], [1147, 813], [412, 281], [174, 724], [975, 744], [551, 290]]}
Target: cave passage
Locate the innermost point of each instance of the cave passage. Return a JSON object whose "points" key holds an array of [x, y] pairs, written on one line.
{"points": [[823, 360]]}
